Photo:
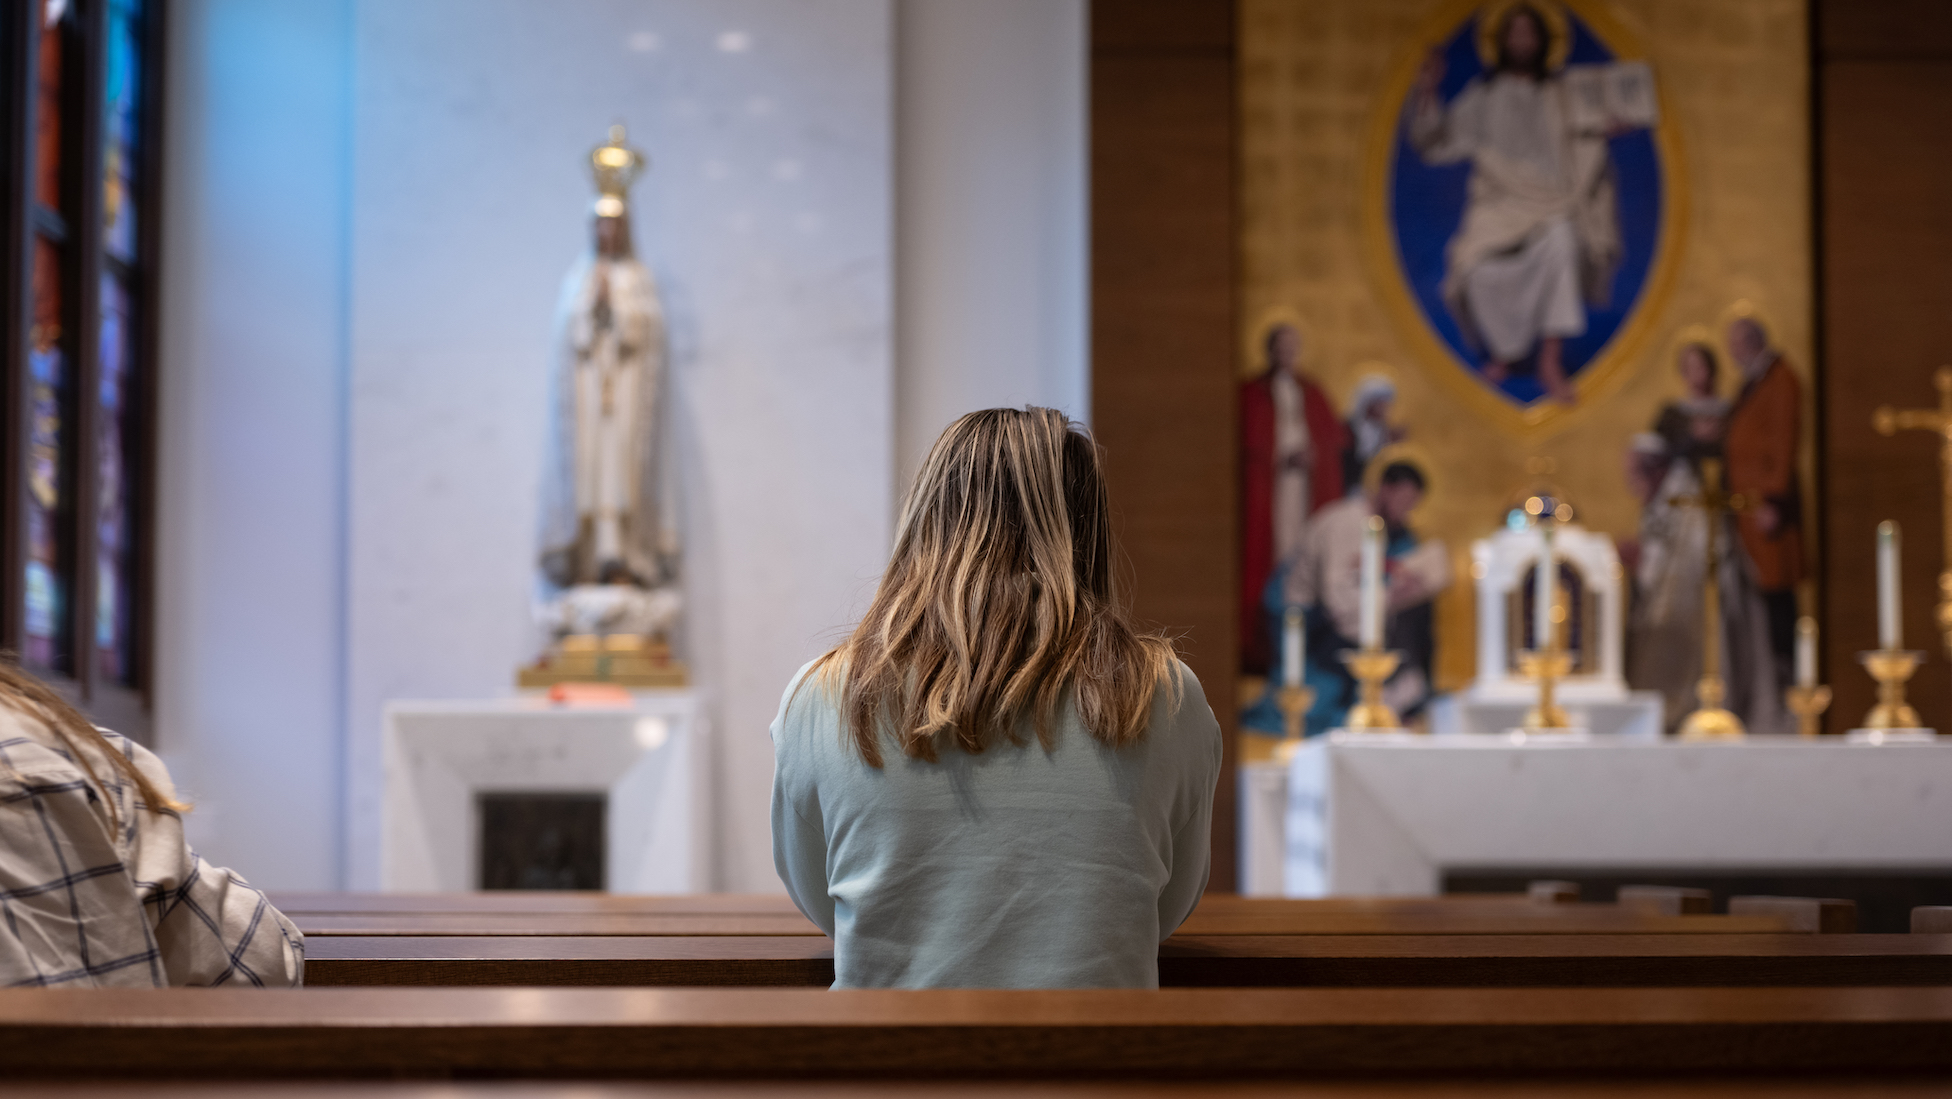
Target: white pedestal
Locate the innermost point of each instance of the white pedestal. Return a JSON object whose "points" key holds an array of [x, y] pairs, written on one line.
{"points": [[1263, 813], [648, 757], [1388, 815]]}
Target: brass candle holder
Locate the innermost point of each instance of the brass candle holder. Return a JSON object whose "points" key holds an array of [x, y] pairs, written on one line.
{"points": [[1890, 421], [1370, 668], [1891, 668], [1548, 666], [1709, 721], [1808, 704], [1294, 703]]}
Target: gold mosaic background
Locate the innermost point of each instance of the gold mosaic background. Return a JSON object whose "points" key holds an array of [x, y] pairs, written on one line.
{"points": [[1733, 77]]}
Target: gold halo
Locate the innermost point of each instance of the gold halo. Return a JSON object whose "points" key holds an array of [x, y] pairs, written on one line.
{"points": [[1254, 356], [1372, 475], [1558, 36], [1701, 334], [1743, 309]]}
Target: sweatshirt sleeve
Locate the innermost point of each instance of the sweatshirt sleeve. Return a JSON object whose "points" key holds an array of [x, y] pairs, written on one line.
{"points": [[1192, 847], [799, 835]]}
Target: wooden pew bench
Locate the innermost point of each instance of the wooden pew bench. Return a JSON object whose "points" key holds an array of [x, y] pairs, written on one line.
{"points": [[1206, 1034], [1746, 1088], [1216, 961], [1562, 1088], [567, 915]]}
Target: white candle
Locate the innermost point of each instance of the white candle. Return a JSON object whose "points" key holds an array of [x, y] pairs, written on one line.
{"points": [[1806, 652], [1371, 618], [1544, 591], [1293, 650], [1890, 624]]}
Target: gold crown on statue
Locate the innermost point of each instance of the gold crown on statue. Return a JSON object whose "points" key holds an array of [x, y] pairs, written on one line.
{"points": [[615, 166]]}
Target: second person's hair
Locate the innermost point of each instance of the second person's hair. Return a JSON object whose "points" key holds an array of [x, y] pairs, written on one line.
{"points": [[997, 599]]}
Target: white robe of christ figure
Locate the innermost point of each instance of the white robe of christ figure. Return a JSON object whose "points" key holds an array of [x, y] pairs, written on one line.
{"points": [[606, 515], [1540, 236]]}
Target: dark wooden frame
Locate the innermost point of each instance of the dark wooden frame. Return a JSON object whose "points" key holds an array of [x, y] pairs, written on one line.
{"points": [[126, 708], [1164, 393]]}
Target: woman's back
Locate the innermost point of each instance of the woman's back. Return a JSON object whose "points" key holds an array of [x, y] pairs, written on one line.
{"points": [[996, 780], [1018, 867]]}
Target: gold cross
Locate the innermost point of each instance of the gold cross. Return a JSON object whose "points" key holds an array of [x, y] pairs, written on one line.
{"points": [[1709, 721], [1890, 421]]}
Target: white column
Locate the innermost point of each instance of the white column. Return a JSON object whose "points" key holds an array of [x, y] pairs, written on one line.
{"points": [[990, 213]]}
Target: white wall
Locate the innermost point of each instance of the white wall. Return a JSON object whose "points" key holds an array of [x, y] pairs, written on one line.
{"points": [[765, 217], [371, 204], [991, 269], [250, 534]]}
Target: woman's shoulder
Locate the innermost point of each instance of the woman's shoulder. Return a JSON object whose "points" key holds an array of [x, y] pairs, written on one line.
{"points": [[1180, 678], [810, 698], [30, 748], [1182, 716], [30, 753]]}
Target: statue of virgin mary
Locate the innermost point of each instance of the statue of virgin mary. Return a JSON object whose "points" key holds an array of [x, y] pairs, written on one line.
{"points": [[608, 548]]}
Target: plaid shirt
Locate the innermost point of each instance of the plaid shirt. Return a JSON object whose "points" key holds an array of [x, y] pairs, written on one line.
{"points": [[83, 903]]}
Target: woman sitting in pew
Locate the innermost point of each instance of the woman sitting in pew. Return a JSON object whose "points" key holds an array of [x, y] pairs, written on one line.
{"points": [[97, 886], [996, 781]]}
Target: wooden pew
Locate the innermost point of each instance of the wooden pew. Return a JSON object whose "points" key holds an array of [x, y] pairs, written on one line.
{"points": [[1752, 1088], [1219, 961], [563, 915], [1207, 1034]]}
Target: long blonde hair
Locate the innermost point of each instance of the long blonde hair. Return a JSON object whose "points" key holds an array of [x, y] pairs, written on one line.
{"points": [[997, 599], [39, 702]]}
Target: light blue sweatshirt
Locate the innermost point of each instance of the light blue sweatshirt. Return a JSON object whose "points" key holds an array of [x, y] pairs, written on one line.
{"points": [[1014, 868]]}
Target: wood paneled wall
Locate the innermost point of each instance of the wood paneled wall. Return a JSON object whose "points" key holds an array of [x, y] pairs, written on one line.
{"points": [[1162, 329], [1884, 173]]}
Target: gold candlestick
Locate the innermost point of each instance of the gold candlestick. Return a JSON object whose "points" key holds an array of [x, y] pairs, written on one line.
{"points": [[1548, 667], [1889, 421], [1709, 721], [1371, 667], [1294, 703], [1808, 704], [1891, 667]]}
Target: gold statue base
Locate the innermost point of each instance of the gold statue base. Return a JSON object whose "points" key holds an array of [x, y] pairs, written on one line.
{"points": [[1371, 667], [1808, 704], [624, 660], [1710, 721], [1295, 702], [1548, 666], [1891, 668]]}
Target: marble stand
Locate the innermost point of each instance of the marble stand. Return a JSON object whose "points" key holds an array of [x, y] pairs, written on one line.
{"points": [[647, 756]]}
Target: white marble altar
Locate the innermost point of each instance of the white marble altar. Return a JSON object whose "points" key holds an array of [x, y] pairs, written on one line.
{"points": [[1387, 814], [647, 756]]}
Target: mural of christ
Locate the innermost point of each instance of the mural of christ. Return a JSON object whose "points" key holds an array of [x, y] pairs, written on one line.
{"points": [[1539, 240]]}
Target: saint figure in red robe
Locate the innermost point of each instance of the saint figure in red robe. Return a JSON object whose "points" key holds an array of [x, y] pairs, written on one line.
{"points": [[1291, 444]]}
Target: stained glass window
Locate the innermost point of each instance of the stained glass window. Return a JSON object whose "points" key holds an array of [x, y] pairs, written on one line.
{"points": [[114, 581], [120, 100], [50, 104], [46, 581], [78, 366]]}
